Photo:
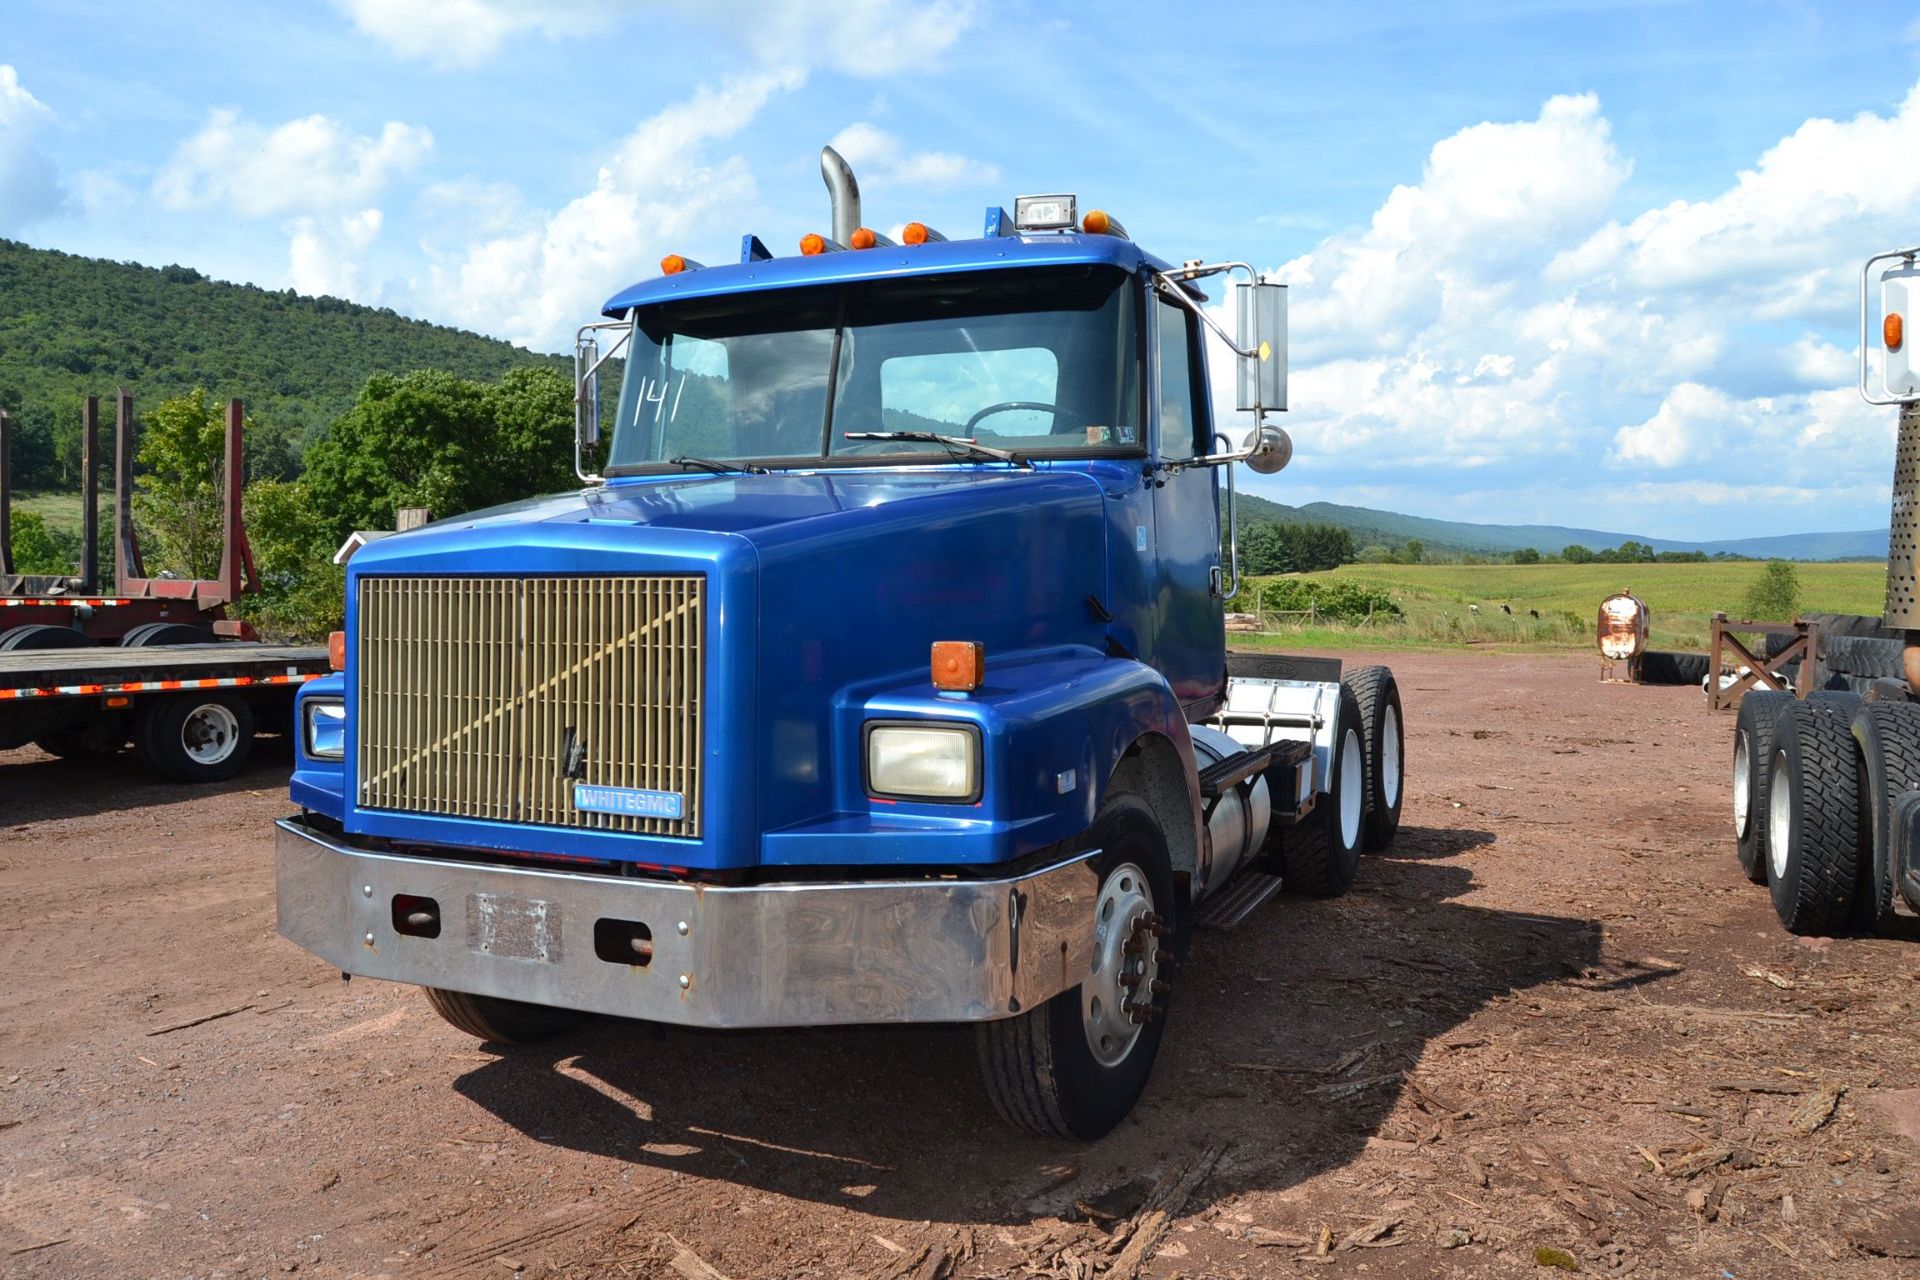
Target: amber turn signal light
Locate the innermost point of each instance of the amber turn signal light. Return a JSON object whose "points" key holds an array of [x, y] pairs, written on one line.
{"points": [[959, 666], [337, 650], [1893, 329]]}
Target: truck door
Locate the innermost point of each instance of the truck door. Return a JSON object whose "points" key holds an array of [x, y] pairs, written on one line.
{"points": [[1191, 628]]}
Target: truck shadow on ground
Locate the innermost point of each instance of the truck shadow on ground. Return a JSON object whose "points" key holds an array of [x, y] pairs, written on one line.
{"points": [[894, 1121], [35, 787]]}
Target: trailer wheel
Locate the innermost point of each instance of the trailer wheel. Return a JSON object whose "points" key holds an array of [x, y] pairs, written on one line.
{"points": [[1813, 818], [499, 1020], [148, 635], [1075, 1066], [1753, 737], [1319, 856], [196, 737], [1889, 738], [39, 635], [1377, 694]]}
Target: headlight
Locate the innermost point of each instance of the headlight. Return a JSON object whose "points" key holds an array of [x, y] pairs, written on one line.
{"points": [[923, 761], [325, 728]]}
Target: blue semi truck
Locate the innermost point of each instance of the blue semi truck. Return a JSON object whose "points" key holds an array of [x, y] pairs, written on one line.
{"points": [[880, 677]]}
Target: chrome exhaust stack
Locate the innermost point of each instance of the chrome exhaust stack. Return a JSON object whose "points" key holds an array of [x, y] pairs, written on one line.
{"points": [[844, 192]]}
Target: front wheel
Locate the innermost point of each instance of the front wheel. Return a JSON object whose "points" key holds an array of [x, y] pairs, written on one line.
{"points": [[497, 1020], [1075, 1066]]}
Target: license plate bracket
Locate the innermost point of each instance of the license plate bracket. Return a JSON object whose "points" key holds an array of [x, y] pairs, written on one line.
{"points": [[514, 928]]}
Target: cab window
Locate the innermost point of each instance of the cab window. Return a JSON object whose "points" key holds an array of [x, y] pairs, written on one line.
{"points": [[1179, 414]]}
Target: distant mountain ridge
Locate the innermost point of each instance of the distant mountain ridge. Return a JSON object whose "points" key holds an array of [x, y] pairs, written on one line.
{"points": [[1389, 528]]}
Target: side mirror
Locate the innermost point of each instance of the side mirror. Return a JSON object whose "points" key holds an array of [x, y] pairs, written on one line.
{"points": [[586, 392], [1269, 450], [1261, 312]]}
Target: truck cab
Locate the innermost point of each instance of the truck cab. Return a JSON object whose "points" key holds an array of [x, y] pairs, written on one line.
{"points": [[878, 676]]}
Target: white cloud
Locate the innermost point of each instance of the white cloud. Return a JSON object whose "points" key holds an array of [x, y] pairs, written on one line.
{"points": [[880, 160], [857, 37], [302, 166], [534, 282], [1504, 317], [324, 253], [29, 183]]}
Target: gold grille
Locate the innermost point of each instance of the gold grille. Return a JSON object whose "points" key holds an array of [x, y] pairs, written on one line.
{"points": [[473, 691]]}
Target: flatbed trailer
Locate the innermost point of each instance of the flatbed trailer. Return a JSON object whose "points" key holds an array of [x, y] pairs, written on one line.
{"points": [[191, 710]]}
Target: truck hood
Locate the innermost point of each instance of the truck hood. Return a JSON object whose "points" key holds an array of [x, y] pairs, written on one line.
{"points": [[819, 583]]}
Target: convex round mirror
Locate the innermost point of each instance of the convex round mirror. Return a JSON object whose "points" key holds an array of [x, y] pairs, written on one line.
{"points": [[1271, 448]]}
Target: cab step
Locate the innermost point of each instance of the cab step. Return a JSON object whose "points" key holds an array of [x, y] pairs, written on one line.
{"points": [[1248, 892]]}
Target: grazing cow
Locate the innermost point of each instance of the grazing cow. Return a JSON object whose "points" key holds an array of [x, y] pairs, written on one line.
{"points": [[1506, 608], [1533, 613], [1473, 608]]}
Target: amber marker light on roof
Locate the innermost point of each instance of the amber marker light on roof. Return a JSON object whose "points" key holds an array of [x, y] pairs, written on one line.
{"points": [[862, 238], [1096, 222], [919, 233], [812, 243], [672, 265], [1894, 330], [959, 666]]}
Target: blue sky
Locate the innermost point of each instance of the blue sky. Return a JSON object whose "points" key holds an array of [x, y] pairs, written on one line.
{"points": [[1581, 263]]}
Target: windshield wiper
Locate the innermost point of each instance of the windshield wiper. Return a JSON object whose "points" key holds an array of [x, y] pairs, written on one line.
{"points": [[958, 446], [718, 468]]}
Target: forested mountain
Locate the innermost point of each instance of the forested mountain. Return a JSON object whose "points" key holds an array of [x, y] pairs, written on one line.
{"points": [[70, 326]]}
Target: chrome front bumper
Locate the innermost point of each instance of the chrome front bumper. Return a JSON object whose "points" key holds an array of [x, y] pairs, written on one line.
{"points": [[801, 954]]}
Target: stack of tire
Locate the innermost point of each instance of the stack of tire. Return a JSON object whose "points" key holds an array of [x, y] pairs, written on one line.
{"points": [[1826, 801], [1855, 650]]}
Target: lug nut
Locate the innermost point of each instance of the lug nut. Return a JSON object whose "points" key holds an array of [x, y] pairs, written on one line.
{"points": [[1132, 947], [1158, 987], [1162, 956]]}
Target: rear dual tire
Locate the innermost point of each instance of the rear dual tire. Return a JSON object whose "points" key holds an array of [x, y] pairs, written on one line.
{"points": [[196, 737], [1318, 856], [1888, 736], [1814, 830]]}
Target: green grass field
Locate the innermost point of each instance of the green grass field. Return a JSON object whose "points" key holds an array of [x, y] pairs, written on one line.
{"points": [[1680, 597]]}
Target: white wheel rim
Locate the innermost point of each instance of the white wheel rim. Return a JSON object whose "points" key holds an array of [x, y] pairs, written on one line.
{"points": [[1119, 980], [1390, 756], [209, 734], [1353, 799], [1779, 816], [1742, 801]]}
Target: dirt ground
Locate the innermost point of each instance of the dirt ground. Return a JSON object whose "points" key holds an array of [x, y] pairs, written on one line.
{"points": [[1553, 1017]]}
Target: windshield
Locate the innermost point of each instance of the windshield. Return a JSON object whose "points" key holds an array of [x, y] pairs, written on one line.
{"points": [[1031, 361]]}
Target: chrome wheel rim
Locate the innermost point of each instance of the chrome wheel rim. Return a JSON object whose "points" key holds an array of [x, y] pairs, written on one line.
{"points": [[1742, 801], [1353, 796], [1390, 757], [1119, 989], [1779, 817], [209, 734]]}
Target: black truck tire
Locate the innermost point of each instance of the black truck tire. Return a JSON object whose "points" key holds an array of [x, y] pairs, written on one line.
{"points": [[1866, 657], [196, 737], [1814, 834], [1889, 738], [1319, 855], [1753, 734], [1076, 1065], [39, 635], [1905, 835], [499, 1021], [1657, 666], [150, 635], [1383, 734]]}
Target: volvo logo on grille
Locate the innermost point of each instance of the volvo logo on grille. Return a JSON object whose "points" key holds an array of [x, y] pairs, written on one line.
{"points": [[573, 755]]}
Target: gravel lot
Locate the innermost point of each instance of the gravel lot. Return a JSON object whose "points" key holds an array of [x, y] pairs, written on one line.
{"points": [[1554, 1017]]}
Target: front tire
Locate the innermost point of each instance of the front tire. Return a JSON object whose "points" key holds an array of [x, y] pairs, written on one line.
{"points": [[497, 1020], [1075, 1066]]}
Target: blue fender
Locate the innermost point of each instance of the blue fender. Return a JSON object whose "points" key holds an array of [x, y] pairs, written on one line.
{"points": [[318, 785], [1053, 724]]}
